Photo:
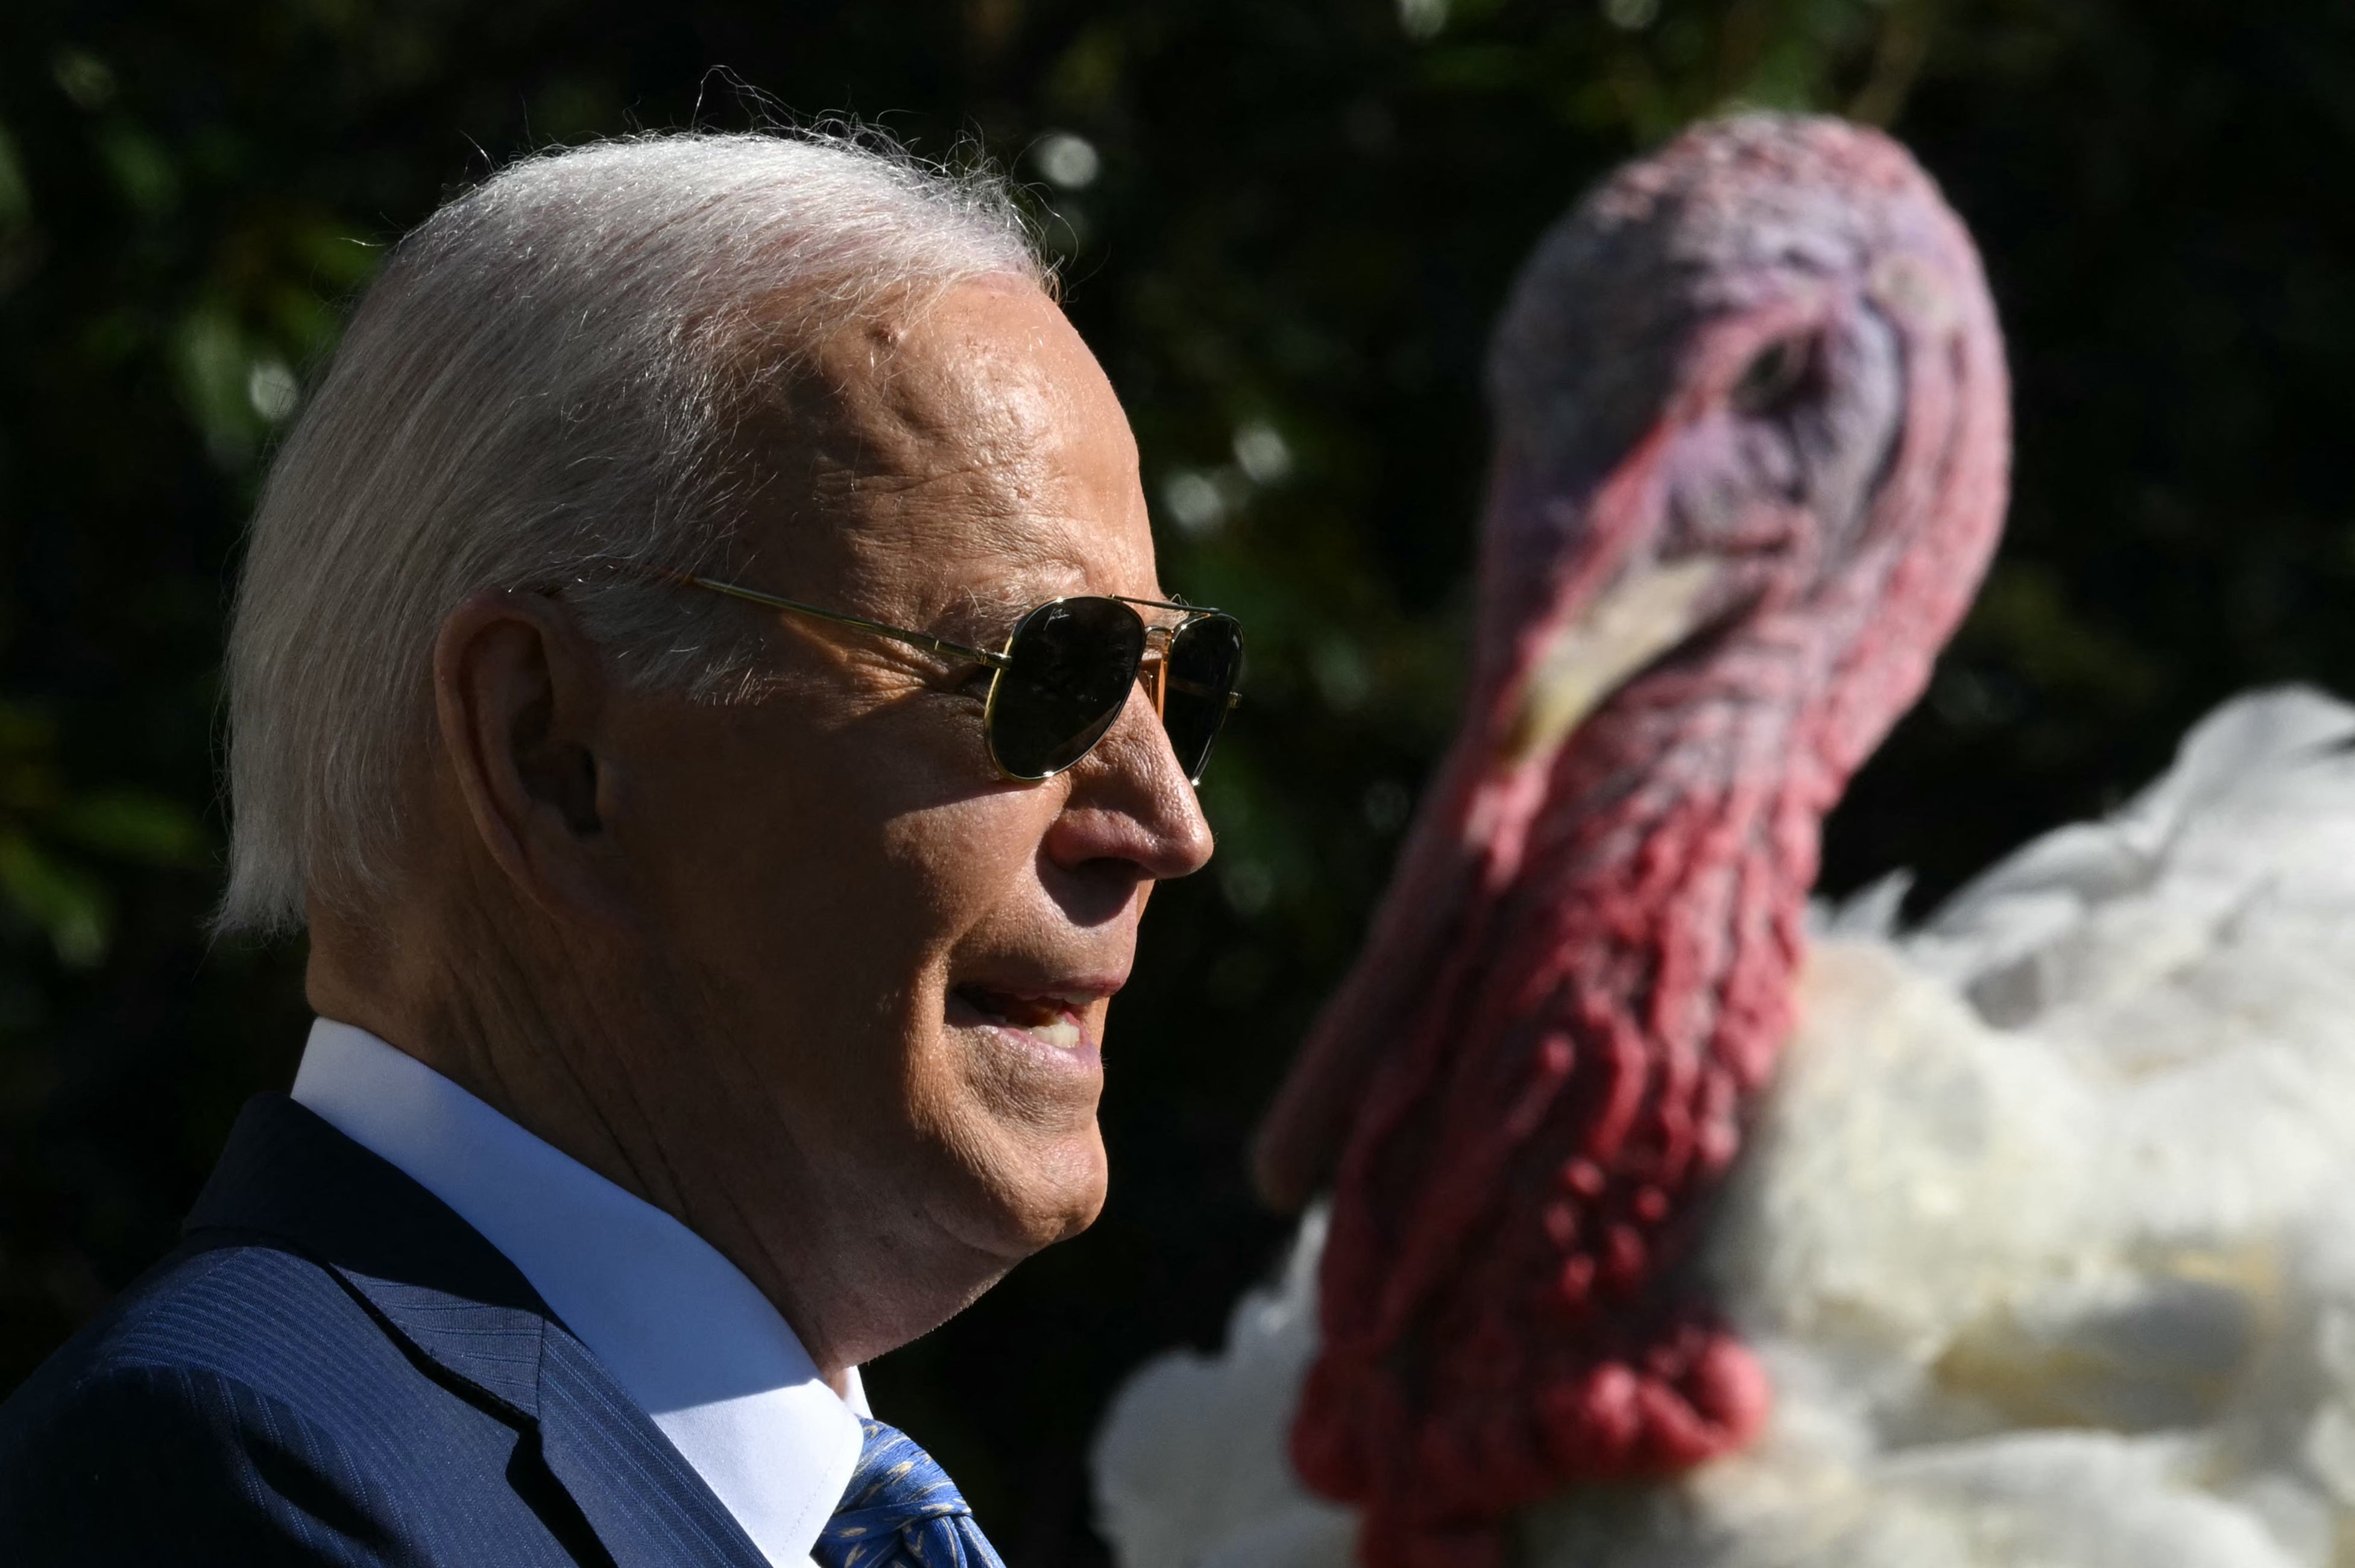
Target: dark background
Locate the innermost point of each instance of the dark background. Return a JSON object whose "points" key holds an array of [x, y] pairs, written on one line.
{"points": [[1298, 220]]}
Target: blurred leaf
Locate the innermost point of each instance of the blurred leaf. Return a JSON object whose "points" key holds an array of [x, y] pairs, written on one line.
{"points": [[2025, 617], [29, 781], [216, 371], [67, 903], [142, 171], [82, 77], [137, 826], [49, 892], [15, 196], [339, 259]]}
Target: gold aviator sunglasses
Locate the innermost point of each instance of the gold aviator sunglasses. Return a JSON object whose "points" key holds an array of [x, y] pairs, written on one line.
{"points": [[1065, 673]]}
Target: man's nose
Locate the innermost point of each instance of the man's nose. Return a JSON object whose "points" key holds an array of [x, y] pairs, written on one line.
{"points": [[1131, 802]]}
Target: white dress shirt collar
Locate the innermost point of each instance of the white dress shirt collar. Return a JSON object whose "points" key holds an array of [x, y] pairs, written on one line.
{"points": [[679, 1327]]}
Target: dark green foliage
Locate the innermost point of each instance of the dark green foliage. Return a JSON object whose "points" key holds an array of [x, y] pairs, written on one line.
{"points": [[1298, 220]]}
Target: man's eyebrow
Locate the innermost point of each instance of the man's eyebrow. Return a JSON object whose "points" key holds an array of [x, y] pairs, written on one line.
{"points": [[1026, 546], [1035, 569], [991, 608]]}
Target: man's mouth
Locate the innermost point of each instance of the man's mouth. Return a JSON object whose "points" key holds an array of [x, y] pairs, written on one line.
{"points": [[1053, 1019]]}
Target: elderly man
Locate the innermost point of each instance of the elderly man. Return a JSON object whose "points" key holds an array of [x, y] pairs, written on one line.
{"points": [[700, 676]]}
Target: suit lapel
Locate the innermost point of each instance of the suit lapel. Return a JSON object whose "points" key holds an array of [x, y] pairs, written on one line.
{"points": [[289, 1179], [496, 1348], [646, 1504]]}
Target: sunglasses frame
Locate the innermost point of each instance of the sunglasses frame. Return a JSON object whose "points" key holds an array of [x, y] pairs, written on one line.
{"points": [[1152, 663]]}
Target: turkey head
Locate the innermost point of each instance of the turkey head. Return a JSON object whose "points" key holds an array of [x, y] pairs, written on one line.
{"points": [[1752, 446]]}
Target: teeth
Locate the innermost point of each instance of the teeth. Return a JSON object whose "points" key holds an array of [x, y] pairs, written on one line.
{"points": [[1050, 1019], [1063, 1034]]}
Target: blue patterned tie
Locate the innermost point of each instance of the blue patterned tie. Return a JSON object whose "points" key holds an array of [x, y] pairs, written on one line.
{"points": [[901, 1511]]}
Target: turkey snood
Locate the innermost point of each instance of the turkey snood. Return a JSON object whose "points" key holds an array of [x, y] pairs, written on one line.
{"points": [[1752, 440]]}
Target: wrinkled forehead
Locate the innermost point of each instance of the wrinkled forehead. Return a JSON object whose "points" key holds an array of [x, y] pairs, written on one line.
{"points": [[969, 447]]}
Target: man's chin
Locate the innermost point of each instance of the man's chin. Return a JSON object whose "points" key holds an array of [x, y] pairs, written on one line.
{"points": [[1035, 1195], [1011, 1115]]}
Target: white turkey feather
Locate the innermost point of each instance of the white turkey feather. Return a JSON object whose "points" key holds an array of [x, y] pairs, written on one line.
{"points": [[2045, 1234], [1189, 1465]]}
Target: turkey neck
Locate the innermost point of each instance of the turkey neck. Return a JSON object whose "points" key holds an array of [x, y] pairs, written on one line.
{"points": [[1523, 1186], [1615, 998], [1502, 1304]]}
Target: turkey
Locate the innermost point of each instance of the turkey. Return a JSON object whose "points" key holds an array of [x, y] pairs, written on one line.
{"points": [[1662, 1230]]}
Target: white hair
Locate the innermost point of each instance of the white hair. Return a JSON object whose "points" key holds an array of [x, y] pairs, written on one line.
{"points": [[542, 382]]}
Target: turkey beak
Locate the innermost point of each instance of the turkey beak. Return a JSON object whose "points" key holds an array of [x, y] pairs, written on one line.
{"points": [[1646, 613]]}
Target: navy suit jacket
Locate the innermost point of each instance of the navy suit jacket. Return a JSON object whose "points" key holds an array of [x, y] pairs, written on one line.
{"points": [[334, 1368]]}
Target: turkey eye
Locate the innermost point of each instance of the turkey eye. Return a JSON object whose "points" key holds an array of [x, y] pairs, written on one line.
{"points": [[1773, 381]]}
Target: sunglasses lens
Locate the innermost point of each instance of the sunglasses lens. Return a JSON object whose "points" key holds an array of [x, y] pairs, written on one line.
{"points": [[1071, 665], [1206, 659]]}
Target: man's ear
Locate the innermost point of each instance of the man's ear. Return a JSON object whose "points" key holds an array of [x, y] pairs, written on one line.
{"points": [[521, 699]]}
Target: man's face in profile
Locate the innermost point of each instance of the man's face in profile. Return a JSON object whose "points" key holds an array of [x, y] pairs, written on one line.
{"points": [[900, 963]]}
